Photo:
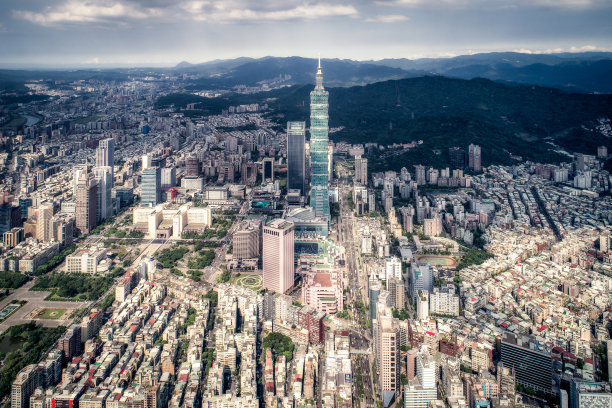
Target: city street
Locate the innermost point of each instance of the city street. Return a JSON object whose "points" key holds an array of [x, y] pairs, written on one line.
{"points": [[361, 346]]}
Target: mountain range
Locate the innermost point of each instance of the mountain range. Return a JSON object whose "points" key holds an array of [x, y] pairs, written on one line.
{"points": [[589, 72], [536, 123], [533, 122]]}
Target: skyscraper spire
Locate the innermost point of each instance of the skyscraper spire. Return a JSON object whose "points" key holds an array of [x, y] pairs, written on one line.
{"points": [[319, 76]]}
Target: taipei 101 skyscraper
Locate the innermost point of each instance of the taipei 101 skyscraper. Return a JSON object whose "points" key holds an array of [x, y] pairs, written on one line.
{"points": [[319, 129]]}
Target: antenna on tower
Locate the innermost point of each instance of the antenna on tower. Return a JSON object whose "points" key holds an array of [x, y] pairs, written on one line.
{"points": [[319, 60]]}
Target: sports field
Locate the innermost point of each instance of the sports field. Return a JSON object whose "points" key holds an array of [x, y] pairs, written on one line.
{"points": [[437, 260]]}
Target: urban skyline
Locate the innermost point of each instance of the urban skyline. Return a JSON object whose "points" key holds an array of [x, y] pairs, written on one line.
{"points": [[172, 238]]}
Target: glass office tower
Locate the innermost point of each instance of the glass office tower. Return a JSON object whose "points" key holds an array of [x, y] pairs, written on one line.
{"points": [[296, 177], [319, 128]]}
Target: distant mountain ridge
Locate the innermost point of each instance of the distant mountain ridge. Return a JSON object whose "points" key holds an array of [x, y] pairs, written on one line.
{"points": [[589, 72], [517, 59], [578, 72], [300, 70]]}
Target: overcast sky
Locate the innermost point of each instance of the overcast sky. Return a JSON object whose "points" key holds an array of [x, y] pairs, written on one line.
{"points": [[60, 33]]}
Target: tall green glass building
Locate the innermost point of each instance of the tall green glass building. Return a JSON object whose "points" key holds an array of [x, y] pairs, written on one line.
{"points": [[319, 129]]}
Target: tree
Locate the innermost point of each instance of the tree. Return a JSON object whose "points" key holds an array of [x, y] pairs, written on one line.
{"points": [[224, 277], [279, 344], [168, 258], [343, 314]]}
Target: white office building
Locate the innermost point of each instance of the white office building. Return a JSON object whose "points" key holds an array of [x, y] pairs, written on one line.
{"points": [[393, 268]]}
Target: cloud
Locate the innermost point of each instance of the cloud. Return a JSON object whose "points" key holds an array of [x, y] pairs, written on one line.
{"points": [[503, 4], [388, 18], [584, 48], [214, 11], [227, 12], [86, 12], [93, 61], [575, 4]]}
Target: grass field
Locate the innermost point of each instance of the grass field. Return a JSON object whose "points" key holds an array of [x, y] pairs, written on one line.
{"points": [[55, 314]]}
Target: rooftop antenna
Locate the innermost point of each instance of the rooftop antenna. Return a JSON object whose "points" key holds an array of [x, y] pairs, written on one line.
{"points": [[319, 60]]}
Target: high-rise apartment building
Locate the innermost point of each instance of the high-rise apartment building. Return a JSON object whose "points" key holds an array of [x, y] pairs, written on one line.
{"points": [[604, 242], [26, 202], [602, 152], [443, 300], [86, 203], [192, 167], [361, 170], [393, 268], [419, 175], [296, 158], [13, 237], [432, 227], [146, 161], [104, 178], [246, 241], [150, 189], [248, 173], [474, 157], [319, 129], [105, 155], [70, 342], [168, 177], [388, 358], [278, 263], [456, 157], [268, 169], [407, 218], [421, 390], [77, 171], [24, 385], [422, 303], [62, 229], [396, 290], [426, 369], [44, 232]]}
